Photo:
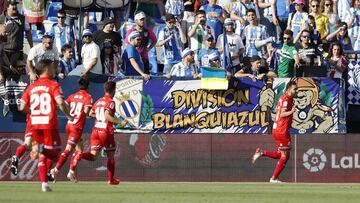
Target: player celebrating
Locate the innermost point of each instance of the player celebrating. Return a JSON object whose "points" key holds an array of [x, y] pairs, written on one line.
{"points": [[102, 135], [80, 106], [40, 99], [280, 131]]}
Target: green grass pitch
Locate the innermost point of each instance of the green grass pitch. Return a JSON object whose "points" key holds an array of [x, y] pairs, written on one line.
{"points": [[171, 192]]}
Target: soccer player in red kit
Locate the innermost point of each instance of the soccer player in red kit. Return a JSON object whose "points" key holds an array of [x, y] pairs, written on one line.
{"points": [[40, 100], [282, 123], [102, 135], [80, 105]]}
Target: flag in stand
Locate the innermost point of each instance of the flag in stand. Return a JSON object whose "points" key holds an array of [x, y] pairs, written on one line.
{"points": [[226, 59], [213, 79]]}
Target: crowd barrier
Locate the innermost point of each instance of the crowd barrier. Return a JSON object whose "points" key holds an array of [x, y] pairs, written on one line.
{"points": [[206, 157]]}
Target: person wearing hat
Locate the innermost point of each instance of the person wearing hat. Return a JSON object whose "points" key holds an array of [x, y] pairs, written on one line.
{"points": [[15, 26], [148, 39], [185, 68], [107, 34], [63, 34], [45, 50], [171, 38], [234, 43], [199, 32], [255, 71], [214, 60], [202, 57], [134, 65], [90, 54], [297, 19]]}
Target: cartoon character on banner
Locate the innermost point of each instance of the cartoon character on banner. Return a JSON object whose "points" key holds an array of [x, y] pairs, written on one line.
{"points": [[313, 107]]}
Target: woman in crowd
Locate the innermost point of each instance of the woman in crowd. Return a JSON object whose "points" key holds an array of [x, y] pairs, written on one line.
{"points": [[335, 62]]}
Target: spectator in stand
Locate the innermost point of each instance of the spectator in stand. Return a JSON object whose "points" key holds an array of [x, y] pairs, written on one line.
{"points": [[14, 26], [280, 10], [107, 59], [107, 34], [185, 68], [63, 34], [214, 60], [310, 57], [202, 57], [235, 44], [90, 54], [45, 50], [343, 8], [341, 35], [199, 32], [67, 62], [3, 71], [353, 21], [329, 11], [311, 27], [238, 13], [254, 32], [288, 57], [255, 71], [134, 65], [34, 11], [171, 37], [335, 62], [175, 7], [214, 16], [148, 39], [297, 18], [266, 17], [322, 21]]}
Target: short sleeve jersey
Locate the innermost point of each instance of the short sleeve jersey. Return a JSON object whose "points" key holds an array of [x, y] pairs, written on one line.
{"points": [[105, 103], [41, 96], [282, 125], [78, 102]]}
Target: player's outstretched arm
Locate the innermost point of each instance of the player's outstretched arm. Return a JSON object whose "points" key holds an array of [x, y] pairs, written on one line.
{"points": [[110, 118], [64, 108]]}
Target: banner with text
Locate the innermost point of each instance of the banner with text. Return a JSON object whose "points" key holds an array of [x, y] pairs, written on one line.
{"points": [[247, 106]]}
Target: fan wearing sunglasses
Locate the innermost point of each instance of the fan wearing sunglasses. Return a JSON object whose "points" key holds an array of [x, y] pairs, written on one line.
{"points": [[322, 21]]}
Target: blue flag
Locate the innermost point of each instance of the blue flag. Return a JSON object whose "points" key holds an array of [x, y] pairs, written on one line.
{"points": [[226, 59]]}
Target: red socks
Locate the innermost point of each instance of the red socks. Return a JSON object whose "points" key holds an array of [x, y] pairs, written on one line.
{"points": [[42, 168], [88, 156], [20, 151], [75, 159], [62, 159], [111, 169], [272, 154], [279, 167]]}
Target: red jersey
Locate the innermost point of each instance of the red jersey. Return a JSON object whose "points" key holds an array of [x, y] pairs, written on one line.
{"points": [[40, 96], [78, 102], [282, 125], [105, 103]]}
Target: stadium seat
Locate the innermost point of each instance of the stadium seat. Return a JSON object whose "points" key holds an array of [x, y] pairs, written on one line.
{"points": [[52, 11]]}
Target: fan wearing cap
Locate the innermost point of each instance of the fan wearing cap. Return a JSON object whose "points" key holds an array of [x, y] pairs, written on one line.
{"points": [[63, 34], [107, 34], [297, 19], [171, 38], [148, 39], [234, 42], [185, 68], [202, 57], [90, 54], [255, 71], [134, 65], [214, 60], [45, 50], [15, 26], [199, 32]]}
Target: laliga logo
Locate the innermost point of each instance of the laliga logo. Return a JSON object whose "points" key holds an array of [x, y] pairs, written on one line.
{"points": [[314, 160]]}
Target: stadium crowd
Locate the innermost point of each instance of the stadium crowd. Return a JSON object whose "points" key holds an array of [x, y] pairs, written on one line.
{"points": [[276, 38]]}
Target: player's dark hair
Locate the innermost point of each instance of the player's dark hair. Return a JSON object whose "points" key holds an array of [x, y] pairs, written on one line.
{"points": [[290, 84], [83, 83], [43, 65], [109, 86]]}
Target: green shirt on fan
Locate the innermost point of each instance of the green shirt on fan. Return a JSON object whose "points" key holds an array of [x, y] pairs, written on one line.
{"points": [[286, 64]]}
